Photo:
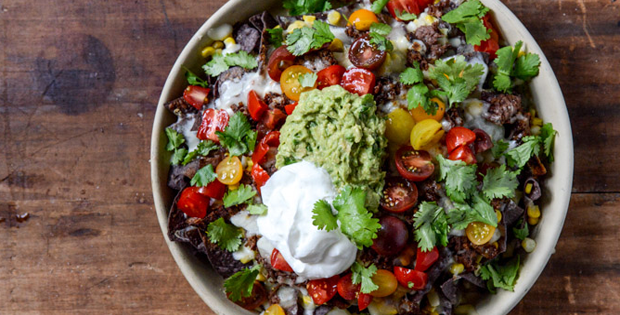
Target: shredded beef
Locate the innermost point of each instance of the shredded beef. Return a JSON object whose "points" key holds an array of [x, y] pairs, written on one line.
{"points": [[429, 190], [251, 242], [180, 107], [414, 56], [454, 117], [386, 89], [440, 8], [275, 100], [503, 109], [430, 34], [318, 60], [353, 32], [463, 253], [369, 256]]}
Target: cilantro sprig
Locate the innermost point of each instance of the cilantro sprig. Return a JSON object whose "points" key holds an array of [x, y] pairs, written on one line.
{"points": [[378, 6], [307, 80], [304, 39], [194, 79], [238, 196], [431, 226], [364, 275], [226, 236], [419, 94], [203, 149], [519, 156], [323, 218], [499, 183], [276, 37], [238, 137], [404, 15], [511, 65], [378, 36], [241, 283], [456, 78], [467, 18], [501, 276], [299, 7], [220, 63], [204, 176], [175, 140]]}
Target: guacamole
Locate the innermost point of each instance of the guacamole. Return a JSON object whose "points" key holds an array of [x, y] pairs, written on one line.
{"points": [[341, 133]]}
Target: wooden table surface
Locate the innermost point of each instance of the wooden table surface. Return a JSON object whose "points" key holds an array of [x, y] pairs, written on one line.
{"points": [[79, 84]]}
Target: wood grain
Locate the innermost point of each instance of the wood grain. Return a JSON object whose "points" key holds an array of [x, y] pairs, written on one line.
{"points": [[79, 85]]}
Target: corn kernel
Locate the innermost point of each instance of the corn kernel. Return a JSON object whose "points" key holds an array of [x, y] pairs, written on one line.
{"points": [[295, 25], [307, 300], [309, 19], [433, 299], [333, 17], [528, 188], [207, 52], [218, 51], [229, 41], [457, 268], [246, 260], [532, 221], [430, 19], [537, 122], [528, 244], [218, 45], [261, 277], [499, 215], [250, 164], [233, 187], [336, 45], [533, 211]]}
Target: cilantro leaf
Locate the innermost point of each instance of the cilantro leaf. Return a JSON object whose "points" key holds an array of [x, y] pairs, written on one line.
{"points": [[364, 276], [521, 233], [238, 137], [178, 156], [502, 82], [193, 79], [460, 178], [378, 33], [404, 15], [500, 276], [299, 7], [378, 6], [226, 236], [467, 18], [203, 176], [506, 57], [216, 65], [475, 31], [238, 196], [302, 40], [257, 209], [241, 283], [203, 148], [456, 77], [431, 226], [499, 147], [175, 139], [480, 211], [308, 79], [509, 64], [418, 96], [520, 155], [356, 222], [276, 36], [323, 217], [547, 133], [413, 75], [499, 182], [527, 66], [220, 63]]}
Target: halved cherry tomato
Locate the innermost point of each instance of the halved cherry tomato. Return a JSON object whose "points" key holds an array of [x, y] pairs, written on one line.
{"points": [[362, 19], [399, 195], [347, 289], [398, 126], [273, 118], [192, 203], [483, 141], [359, 81], [259, 176], [212, 120], [386, 281], [392, 237], [414, 165], [256, 106], [270, 140], [426, 134], [490, 45], [290, 108], [463, 153], [214, 189], [229, 171], [257, 298], [365, 55], [329, 76], [323, 290], [196, 96], [459, 136], [279, 60], [479, 233], [289, 81], [411, 279], [278, 262], [363, 300], [407, 6], [424, 260]]}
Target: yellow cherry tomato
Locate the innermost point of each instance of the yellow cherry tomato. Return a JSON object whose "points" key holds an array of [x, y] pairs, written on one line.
{"points": [[425, 134], [386, 281], [479, 233], [398, 126], [420, 114], [274, 309], [229, 171], [289, 81], [362, 19]]}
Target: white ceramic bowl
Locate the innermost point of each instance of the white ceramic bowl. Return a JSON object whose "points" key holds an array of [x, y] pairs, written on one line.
{"points": [[550, 105]]}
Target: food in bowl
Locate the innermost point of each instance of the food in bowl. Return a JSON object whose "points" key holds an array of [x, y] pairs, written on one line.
{"points": [[381, 157]]}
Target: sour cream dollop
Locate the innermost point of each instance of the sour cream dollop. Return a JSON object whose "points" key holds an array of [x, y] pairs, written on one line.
{"points": [[290, 195]]}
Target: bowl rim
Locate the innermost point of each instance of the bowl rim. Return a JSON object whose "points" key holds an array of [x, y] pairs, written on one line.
{"points": [[210, 289]]}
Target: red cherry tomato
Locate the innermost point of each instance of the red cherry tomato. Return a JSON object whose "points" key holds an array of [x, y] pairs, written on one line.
{"points": [[290, 108], [196, 96], [459, 136], [259, 176], [407, 6], [359, 81], [193, 203], [273, 118], [323, 290], [424, 260], [463, 153], [483, 141], [414, 165], [270, 140], [256, 106], [392, 236], [257, 298], [363, 300], [279, 60], [399, 195], [411, 279], [329, 76], [278, 262], [212, 120], [214, 189], [347, 289], [365, 55], [490, 45]]}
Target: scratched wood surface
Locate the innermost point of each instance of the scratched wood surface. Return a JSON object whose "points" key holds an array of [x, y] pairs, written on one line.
{"points": [[79, 81]]}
